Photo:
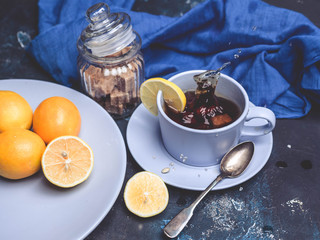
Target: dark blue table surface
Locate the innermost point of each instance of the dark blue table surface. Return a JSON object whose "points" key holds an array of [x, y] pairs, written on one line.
{"points": [[280, 202]]}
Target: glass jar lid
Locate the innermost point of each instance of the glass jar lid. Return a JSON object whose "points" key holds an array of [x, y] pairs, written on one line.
{"points": [[107, 33]]}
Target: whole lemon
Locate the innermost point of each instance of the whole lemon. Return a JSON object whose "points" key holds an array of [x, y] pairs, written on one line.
{"points": [[15, 111], [56, 117], [20, 153]]}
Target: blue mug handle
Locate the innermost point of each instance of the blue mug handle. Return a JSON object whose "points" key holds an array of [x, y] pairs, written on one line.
{"points": [[265, 123]]}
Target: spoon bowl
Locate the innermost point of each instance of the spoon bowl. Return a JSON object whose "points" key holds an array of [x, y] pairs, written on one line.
{"points": [[232, 165], [237, 159]]}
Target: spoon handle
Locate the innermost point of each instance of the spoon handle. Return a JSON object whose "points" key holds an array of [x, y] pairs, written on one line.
{"points": [[175, 226]]}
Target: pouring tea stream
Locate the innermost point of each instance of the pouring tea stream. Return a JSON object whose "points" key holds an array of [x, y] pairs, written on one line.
{"points": [[232, 165]]}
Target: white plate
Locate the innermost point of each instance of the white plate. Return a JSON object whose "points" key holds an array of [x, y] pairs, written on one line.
{"points": [[145, 144], [32, 208]]}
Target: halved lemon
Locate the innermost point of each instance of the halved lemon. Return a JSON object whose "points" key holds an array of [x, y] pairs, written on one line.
{"points": [[146, 194], [67, 161], [172, 94]]}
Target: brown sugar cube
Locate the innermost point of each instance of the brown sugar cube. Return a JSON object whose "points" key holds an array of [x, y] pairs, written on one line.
{"points": [[107, 81], [99, 80], [121, 52], [94, 73], [221, 120], [126, 83], [114, 109], [125, 78], [118, 97], [92, 79], [90, 70], [125, 50], [117, 54], [99, 93]]}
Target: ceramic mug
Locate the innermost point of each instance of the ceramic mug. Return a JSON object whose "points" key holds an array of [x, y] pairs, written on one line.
{"points": [[205, 148]]}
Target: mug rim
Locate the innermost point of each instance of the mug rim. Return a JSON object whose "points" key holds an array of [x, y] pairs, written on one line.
{"points": [[205, 131]]}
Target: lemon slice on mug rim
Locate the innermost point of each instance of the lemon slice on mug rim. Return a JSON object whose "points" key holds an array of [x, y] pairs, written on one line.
{"points": [[172, 94]]}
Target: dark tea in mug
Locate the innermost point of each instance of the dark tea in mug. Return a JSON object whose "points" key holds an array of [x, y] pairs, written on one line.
{"points": [[205, 111]]}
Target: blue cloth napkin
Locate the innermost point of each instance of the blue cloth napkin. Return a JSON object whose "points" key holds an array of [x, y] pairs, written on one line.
{"points": [[275, 52]]}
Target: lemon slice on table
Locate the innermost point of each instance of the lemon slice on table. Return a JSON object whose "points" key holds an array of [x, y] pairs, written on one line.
{"points": [[146, 194], [172, 94], [67, 161]]}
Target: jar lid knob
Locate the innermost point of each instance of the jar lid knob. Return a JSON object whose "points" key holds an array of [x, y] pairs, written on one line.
{"points": [[98, 13], [107, 33]]}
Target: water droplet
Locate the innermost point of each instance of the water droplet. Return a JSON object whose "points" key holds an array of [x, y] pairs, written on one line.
{"points": [[171, 164], [288, 146], [306, 164], [240, 189], [165, 170], [236, 56], [281, 164], [239, 50], [23, 38], [229, 43], [193, 4], [254, 28]]}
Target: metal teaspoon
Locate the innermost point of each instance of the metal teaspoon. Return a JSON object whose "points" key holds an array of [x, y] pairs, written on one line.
{"points": [[232, 165]]}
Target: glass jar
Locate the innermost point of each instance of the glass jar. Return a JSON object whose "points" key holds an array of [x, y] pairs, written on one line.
{"points": [[110, 63]]}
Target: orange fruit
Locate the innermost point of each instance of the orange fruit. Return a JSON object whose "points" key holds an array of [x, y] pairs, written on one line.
{"points": [[15, 111], [55, 117], [67, 161], [146, 194], [20, 153]]}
